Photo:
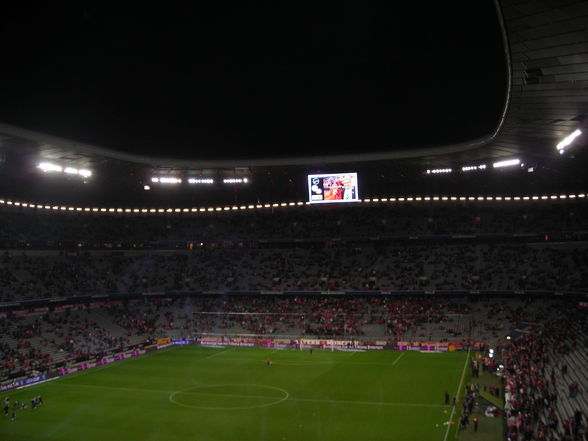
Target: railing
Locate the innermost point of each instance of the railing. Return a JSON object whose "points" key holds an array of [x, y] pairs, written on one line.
{"points": [[26, 307]]}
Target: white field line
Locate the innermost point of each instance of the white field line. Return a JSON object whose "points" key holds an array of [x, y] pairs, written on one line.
{"points": [[310, 363], [367, 403], [457, 394], [88, 371], [399, 357], [114, 363], [218, 353], [309, 400]]}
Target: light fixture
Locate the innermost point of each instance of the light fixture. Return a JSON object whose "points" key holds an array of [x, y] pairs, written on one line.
{"points": [[50, 167], [435, 171], [507, 163], [200, 181], [235, 180], [166, 180], [568, 140], [468, 168]]}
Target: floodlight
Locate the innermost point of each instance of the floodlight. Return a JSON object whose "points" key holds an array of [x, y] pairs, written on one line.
{"points": [[468, 168], [48, 167], [439, 171], [507, 163], [166, 180], [200, 181], [568, 140], [235, 180]]}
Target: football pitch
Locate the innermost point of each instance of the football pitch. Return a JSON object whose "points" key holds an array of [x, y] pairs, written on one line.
{"points": [[193, 393]]}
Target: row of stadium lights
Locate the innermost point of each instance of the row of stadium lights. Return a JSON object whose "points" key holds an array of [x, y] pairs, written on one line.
{"points": [[192, 181], [172, 180], [477, 198], [48, 167], [561, 146], [288, 204], [468, 168], [85, 173]]}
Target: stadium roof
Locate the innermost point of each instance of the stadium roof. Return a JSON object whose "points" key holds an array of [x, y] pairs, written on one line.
{"points": [[546, 50]]}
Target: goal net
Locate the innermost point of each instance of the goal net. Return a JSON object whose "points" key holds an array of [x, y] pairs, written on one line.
{"points": [[338, 328]]}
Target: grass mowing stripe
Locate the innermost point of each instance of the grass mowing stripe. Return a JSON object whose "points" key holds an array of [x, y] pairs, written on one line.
{"points": [[116, 363], [159, 391], [122, 389], [310, 400], [457, 394], [372, 399], [95, 369]]}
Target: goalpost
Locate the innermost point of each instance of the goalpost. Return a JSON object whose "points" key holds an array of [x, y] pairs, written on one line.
{"points": [[285, 325]]}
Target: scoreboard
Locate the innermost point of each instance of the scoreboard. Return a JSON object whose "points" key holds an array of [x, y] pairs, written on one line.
{"points": [[333, 188]]}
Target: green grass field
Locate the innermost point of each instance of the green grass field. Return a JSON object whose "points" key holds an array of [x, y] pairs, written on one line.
{"points": [[198, 393]]}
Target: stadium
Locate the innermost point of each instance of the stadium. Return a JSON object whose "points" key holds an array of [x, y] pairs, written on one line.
{"points": [[324, 287]]}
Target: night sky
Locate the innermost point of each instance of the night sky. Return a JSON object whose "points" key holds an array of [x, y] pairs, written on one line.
{"points": [[215, 81]]}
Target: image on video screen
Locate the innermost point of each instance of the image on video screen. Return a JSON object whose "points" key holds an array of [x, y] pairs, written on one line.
{"points": [[333, 187]]}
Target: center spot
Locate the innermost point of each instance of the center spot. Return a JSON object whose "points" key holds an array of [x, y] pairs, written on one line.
{"points": [[229, 396]]}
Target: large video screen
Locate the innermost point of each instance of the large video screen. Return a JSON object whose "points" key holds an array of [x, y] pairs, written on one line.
{"points": [[333, 187]]}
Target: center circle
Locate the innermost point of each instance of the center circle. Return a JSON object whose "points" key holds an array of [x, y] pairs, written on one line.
{"points": [[229, 396]]}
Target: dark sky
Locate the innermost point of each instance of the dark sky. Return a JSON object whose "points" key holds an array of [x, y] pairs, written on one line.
{"points": [[210, 80]]}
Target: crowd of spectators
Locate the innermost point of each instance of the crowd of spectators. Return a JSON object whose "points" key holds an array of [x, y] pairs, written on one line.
{"points": [[359, 248], [327, 315], [356, 267], [17, 350], [542, 400], [543, 390], [63, 337], [406, 219], [293, 316], [32, 344]]}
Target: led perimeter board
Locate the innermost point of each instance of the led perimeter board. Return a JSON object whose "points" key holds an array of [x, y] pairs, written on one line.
{"points": [[332, 188]]}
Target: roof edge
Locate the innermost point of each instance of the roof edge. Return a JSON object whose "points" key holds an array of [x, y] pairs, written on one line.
{"points": [[152, 161]]}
